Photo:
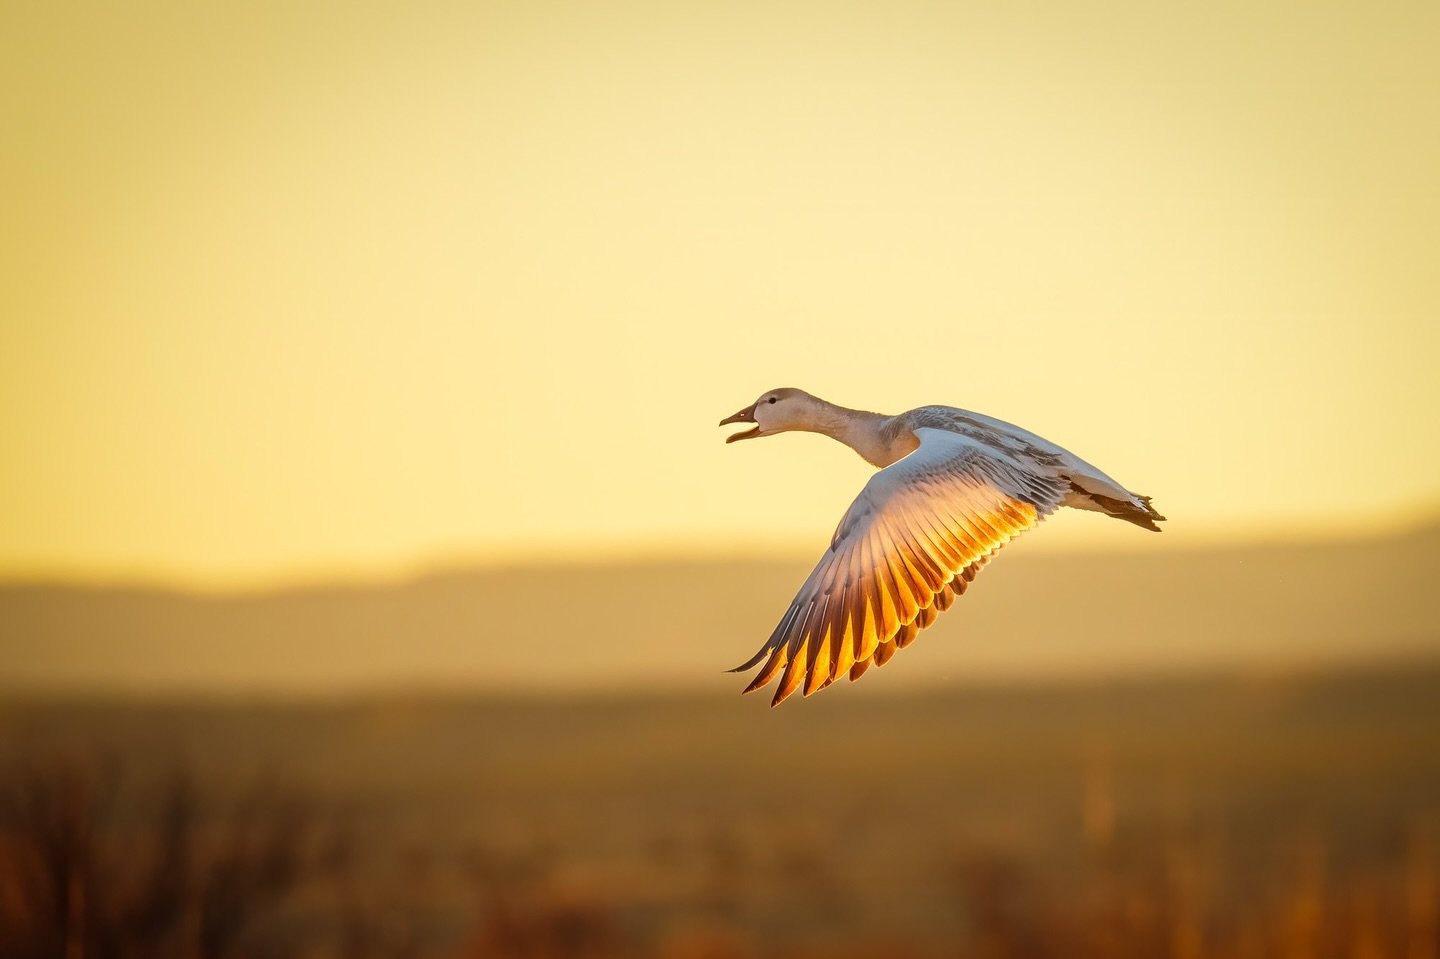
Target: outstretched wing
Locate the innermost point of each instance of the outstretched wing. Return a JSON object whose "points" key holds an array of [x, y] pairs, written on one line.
{"points": [[909, 544]]}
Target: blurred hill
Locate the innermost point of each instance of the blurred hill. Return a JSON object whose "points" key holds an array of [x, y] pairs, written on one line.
{"points": [[1030, 617]]}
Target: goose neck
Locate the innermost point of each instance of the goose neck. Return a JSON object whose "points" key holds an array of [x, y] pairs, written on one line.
{"points": [[862, 431]]}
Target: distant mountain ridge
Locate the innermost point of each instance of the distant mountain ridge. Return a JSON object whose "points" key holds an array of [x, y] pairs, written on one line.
{"points": [[657, 624]]}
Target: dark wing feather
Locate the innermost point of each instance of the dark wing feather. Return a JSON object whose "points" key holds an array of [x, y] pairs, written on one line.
{"points": [[909, 544]]}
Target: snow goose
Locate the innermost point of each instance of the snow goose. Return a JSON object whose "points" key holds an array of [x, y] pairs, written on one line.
{"points": [[953, 487]]}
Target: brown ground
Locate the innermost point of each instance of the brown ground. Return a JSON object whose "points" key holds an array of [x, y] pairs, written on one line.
{"points": [[1286, 817]]}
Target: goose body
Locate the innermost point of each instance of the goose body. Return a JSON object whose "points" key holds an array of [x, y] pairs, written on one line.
{"points": [[953, 487]]}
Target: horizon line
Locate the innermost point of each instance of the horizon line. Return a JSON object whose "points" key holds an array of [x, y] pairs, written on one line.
{"points": [[439, 563]]}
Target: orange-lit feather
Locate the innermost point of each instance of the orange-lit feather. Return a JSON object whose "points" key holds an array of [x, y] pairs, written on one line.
{"points": [[908, 546]]}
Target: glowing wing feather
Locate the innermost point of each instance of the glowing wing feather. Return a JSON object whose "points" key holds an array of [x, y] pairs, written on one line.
{"points": [[909, 544]]}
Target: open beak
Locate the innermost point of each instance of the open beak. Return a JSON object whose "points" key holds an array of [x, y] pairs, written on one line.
{"points": [[747, 415]]}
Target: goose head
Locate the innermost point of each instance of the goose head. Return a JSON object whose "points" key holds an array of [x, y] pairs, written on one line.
{"points": [[776, 411]]}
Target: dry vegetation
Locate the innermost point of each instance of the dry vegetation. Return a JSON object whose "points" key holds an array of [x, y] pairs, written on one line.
{"points": [[1292, 819]]}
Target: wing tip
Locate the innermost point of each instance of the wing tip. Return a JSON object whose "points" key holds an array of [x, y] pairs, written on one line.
{"points": [[750, 663]]}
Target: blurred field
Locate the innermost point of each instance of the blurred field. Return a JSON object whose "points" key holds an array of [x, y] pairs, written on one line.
{"points": [[674, 624], [1286, 816]]}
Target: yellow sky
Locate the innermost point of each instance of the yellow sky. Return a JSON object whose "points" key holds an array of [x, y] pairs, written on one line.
{"points": [[296, 287]]}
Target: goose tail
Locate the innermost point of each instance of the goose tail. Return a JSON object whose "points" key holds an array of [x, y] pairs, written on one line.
{"points": [[1136, 509], [1141, 513]]}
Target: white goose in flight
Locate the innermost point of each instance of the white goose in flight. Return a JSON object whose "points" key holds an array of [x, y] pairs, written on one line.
{"points": [[953, 488]]}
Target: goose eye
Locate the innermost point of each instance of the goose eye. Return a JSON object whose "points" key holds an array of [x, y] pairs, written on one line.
{"points": [[771, 401]]}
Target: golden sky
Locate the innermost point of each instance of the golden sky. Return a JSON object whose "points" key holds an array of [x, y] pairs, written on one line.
{"points": [[300, 288]]}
